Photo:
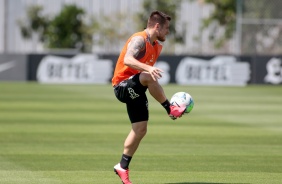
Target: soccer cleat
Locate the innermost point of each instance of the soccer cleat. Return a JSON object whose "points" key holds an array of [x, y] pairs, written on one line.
{"points": [[122, 173], [176, 112]]}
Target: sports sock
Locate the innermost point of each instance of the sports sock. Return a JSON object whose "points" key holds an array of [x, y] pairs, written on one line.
{"points": [[125, 161], [166, 105]]}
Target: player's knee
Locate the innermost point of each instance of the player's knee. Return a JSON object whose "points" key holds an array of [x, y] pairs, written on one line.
{"points": [[140, 131], [146, 79], [143, 132]]}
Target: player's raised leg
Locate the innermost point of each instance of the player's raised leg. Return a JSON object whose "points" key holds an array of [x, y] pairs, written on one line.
{"points": [[157, 92], [154, 87]]}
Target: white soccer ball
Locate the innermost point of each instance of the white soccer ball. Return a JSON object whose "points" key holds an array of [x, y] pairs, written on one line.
{"points": [[182, 99]]}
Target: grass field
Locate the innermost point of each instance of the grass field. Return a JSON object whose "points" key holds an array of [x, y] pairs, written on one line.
{"points": [[73, 134]]}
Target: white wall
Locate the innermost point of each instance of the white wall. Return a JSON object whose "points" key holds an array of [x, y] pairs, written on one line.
{"points": [[190, 14], [17, 10], [1, 25]]}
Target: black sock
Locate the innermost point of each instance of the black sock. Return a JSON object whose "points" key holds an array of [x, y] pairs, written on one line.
{"points": [[166, 105], [125, 160]]}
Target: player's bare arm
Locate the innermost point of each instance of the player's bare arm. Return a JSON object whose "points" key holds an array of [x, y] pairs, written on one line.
{"points": [[134, 47]]}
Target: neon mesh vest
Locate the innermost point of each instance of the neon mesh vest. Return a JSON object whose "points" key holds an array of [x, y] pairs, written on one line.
{"points": [[148, 56]]}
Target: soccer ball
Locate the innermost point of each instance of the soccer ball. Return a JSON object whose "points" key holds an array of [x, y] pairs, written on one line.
{"points": [[182, 99]]}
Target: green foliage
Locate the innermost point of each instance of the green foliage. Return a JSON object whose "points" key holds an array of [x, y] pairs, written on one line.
{"points": [[266, 9], [258, 10], [112, 30], [224, 15], [169, 7], [36, 22], [66, 30]]}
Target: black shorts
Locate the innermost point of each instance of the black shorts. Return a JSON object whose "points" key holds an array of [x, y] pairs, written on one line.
{"points": [[133, 94]]}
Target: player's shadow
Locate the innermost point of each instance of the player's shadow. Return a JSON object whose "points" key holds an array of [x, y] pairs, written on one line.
{"points": [[204, 183]]}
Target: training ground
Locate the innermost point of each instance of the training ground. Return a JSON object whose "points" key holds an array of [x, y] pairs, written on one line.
{"points": [[73, 134]]}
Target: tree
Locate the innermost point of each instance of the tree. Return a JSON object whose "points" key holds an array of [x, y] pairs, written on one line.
{"points": [[65, 30], [36, 23], [224, 15], [259, 36], [263, 36], [169, 7], [111, 32]]}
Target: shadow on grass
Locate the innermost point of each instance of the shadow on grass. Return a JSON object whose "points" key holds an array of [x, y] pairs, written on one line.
{"points": [[204, 183]]}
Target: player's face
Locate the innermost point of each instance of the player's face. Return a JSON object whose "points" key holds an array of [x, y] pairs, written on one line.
{"points": [[163, 31]]}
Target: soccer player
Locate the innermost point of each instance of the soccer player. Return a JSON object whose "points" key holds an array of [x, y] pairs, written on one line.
{"points": [[133, 75]]}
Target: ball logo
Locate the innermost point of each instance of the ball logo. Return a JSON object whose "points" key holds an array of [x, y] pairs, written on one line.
{"points": [[184, 96]]}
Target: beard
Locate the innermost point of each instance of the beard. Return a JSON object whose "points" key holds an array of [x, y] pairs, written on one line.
{"points": [[162, 39]]}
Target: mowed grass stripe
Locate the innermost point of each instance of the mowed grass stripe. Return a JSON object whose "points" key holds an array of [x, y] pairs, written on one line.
{"points": [[35, 177], [74, 134]]}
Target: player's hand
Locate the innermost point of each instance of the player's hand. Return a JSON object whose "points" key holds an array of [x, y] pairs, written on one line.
{"points": [[155, 73]]}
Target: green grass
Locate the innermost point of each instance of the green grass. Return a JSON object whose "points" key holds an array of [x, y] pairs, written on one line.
{"points": [[73, 134]]}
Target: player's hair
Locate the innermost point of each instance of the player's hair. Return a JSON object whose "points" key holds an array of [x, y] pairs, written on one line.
{"points": [[157, 17]]}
